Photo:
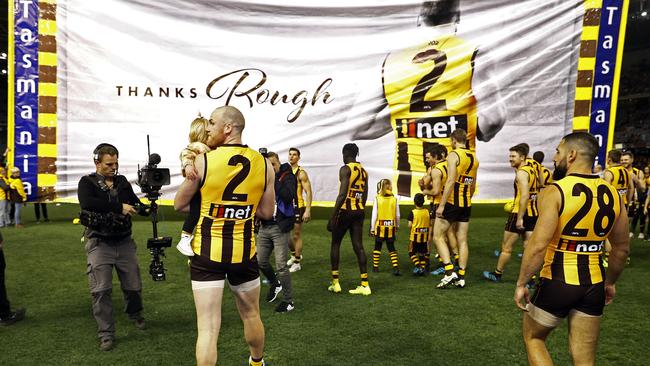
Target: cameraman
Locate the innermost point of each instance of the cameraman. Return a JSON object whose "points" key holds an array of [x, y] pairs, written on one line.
{"points": [[107, 202]]}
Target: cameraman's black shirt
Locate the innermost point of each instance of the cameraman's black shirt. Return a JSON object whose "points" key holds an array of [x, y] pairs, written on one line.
{"points": [[93, 198]]}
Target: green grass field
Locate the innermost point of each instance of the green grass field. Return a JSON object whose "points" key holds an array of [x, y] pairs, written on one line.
{"points": [[405, 322]]}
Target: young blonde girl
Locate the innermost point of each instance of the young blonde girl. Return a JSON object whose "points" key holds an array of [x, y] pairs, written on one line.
{"points": [[198, 137], [384, 224]]}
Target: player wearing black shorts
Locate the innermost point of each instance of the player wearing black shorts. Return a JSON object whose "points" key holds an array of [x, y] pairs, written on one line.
{"points": [[235, 184], [455, 207], [576, 214], [348, 215], [523, 217]]}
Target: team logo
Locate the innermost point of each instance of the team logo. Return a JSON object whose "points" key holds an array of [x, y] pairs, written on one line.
{"points": [[466, 180], [231, 212]]}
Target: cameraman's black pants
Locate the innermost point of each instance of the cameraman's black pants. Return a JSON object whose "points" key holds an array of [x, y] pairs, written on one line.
{"points": [[102, 257]]}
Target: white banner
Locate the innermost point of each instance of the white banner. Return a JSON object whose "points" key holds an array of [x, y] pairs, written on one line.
{"points": [[316, 75]]}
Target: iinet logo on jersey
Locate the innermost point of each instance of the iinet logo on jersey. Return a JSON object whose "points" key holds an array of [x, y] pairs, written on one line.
{"points": [[431, 127], [231, 212]]}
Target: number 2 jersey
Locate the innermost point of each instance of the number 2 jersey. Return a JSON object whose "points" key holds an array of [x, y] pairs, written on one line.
{"points": [[232, 187], [589, 208], [429, 93]]}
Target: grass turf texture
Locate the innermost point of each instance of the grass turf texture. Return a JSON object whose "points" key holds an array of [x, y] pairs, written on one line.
{"points": [[406, 321]]}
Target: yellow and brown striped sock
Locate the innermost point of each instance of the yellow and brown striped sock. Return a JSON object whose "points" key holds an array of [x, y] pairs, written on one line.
{"points": [[335, 277], [461, 272], [449, 269], [393, 259], [375, 258], [364, 279]]}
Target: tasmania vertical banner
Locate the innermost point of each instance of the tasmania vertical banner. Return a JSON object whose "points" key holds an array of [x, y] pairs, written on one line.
{"points": [[392, 76], [24, 144], [599, 68]]}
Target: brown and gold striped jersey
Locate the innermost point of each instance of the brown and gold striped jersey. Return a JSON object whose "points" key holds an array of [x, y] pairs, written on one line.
{"points": [[442, 167], [420, 220], [356, 186], [461, 196], [589, 208], [621, 180], [386, 216], [531, 206], [232, 187]]}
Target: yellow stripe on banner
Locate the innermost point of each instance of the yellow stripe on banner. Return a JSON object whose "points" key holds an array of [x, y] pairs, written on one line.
{"points": [[46, 180], [586, 63], [583, 93], [47, 120], [47, 27], [592, 4], [617, 76], [47, 150], [11, 125], [47, 89], [590, 33], [47, 58], [581, 123]]}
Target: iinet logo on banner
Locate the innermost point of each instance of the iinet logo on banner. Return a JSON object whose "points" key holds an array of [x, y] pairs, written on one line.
{"points": [[246, 84]]}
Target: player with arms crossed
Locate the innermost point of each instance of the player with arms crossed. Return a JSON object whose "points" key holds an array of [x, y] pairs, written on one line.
{"points": [[576, 214]]}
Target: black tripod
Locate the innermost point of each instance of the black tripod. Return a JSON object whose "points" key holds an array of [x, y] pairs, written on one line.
{"points": [[156, 245]]}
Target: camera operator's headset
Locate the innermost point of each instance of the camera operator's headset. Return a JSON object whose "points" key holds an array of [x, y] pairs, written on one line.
{"points": [[96, 151], [100, 182]]}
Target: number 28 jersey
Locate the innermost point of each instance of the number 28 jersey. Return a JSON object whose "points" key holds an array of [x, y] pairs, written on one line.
{"points": [[232, 187], [428, 89], [589, 208]]}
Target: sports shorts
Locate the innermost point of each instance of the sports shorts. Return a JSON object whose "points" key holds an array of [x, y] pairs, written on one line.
{"points": [[529, 223], [204, 269], [346, 220], [453, 213], [557, 299], [301, 212], [416, 247]]}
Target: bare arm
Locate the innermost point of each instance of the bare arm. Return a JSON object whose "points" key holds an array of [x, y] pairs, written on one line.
{"points": [[267, 203], [452, 162], [608, 176], [373, 220], [641, 179], [306, 187], [436, 183], [549, 207], [492, 114], [524, 195], [344, 179], [375, 122], [189, 187], [630, 190], [620, 241]]}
